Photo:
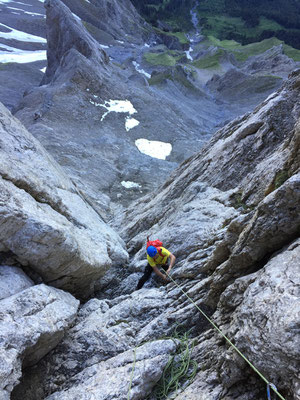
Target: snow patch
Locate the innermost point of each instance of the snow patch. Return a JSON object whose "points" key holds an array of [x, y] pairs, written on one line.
{"points": [[121, 106], [11, 54], [43, 70], [154, 148], [131, 123], [76, 17], [26, 12], [188, 54], [103, 46], [130, 185], [19, 35], [141, 71]]}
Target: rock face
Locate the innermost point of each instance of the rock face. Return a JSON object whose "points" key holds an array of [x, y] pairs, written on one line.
{"points": [[111, 379], [102, 330], [252, 166], [45, 222], [23, 50], [12, 281], [111, 19], [32, 323], [230, 215], [95, 103]]}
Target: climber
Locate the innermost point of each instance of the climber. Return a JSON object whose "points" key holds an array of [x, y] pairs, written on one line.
{"points": [[157, 256]]}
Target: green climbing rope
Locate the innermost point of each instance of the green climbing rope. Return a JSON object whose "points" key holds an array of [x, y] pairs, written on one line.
{"points": [[226, 338], [132, 372], [179, 369]]}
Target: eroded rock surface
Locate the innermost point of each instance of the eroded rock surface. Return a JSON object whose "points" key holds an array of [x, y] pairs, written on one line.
{"points": [[111, 379], [250, 174], [32, 323], [12, 281], [72, 113], [103, 329], [45, 222], [230, 215]]}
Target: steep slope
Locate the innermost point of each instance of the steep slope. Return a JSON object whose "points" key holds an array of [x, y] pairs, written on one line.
{"points": [[46, 223], [97, 104], [22, 48], [81, 87], [230, 214]]}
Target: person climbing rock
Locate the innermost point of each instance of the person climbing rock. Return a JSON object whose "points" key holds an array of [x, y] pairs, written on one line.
{"points": [[157, 256]]}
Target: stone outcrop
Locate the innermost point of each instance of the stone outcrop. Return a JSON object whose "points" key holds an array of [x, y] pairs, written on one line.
{"points": [[248, 176], [111, 19], [111, 379], [59, 44], [230, 215], [102, 330], [32, 323], [69, 114], [13, 280], [45, 222]]}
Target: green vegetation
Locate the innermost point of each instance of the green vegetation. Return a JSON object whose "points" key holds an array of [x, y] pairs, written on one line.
{"points": [[242, 53], [179, 370], [291, 52], [180, 35], [280, 178], [174, 12], [248, 21], [167, 58], [211, 61], [238, 202], [174, 74]]}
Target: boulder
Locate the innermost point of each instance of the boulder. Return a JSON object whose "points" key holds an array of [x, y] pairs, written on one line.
{"points": [[264, 323], [32, 323], [12, 280], [45, 221], [102, 330], [133, 373]]}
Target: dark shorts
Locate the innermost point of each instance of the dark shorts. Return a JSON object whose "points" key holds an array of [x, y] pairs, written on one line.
{"points": [[147, 274]]}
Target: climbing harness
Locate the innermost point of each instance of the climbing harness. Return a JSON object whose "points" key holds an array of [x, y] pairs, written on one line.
{"points": [[269, 384]]}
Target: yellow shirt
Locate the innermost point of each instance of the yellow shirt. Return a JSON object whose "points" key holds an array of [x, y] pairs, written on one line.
{"points": [[159, 260]]}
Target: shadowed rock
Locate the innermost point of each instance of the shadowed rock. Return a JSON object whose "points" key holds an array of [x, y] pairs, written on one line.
{"points": [[12, 281], [45, 222], [32, 323]]}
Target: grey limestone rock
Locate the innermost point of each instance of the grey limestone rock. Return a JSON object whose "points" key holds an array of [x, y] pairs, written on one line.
{"points": [[12, 281], [32, 323], [227, 212], [266, 322], [111, 19], [102, 330], [45, 221], [111, 379]]}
